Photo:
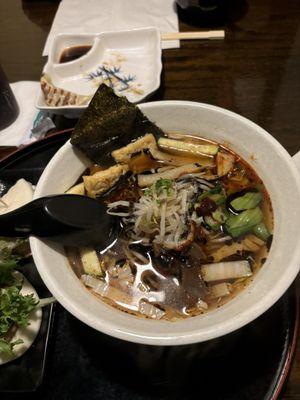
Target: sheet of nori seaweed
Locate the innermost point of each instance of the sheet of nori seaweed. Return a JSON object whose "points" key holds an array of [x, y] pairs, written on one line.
{"points": [[109, 123]]}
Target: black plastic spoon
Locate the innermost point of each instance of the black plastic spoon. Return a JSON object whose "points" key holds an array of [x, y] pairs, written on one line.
{"points": [[70, 220]]}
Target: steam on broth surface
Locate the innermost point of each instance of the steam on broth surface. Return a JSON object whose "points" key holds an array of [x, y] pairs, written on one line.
{"points": [[196, 224]]}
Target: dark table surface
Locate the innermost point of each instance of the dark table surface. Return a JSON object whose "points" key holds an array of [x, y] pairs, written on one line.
{"points": [[255, 71]]}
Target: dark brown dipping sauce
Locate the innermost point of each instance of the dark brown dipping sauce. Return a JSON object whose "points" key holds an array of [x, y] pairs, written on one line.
{"points": [[72, 53]]}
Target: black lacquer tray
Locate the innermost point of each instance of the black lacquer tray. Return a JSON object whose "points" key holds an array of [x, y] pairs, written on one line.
{"points": [[251, 363]]}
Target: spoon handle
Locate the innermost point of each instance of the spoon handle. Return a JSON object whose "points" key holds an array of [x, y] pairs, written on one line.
{"points": [[70, 220], [26, 220]]}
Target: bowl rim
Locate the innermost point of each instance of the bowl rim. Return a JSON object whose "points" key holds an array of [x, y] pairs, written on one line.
{"points": [[234, 323]]}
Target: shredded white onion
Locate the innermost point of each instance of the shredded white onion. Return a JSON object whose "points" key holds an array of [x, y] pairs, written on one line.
{"points": [[118, 214], [118, 203]]}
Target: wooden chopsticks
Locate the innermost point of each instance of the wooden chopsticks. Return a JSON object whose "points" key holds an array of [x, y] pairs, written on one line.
{"points": [[220, 34]]}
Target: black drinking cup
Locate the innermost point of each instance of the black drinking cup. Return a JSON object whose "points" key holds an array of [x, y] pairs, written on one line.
{"points": [[201, 5], [9, 109], [205, 13]]}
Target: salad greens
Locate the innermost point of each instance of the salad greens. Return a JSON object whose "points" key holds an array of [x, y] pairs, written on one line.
{"points": [[14, 310], [6, 269], [14, 307]]}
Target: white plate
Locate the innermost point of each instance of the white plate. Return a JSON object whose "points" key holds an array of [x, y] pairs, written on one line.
{"points": [[128, 61]]}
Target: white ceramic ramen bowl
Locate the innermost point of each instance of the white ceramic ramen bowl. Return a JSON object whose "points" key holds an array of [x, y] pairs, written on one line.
{"points": [[273, 164]]}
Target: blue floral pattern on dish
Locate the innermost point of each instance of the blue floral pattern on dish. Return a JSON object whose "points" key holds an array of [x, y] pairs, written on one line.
{"points": [[110, 72]]}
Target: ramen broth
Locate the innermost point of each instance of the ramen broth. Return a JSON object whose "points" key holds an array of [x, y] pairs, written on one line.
{"points": [[189, 241]]}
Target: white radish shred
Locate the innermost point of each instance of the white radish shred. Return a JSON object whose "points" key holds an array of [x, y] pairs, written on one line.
{"points": [[184, 201], [163, 221], [119, 203], [225, 270], [118, 214], [163, 214]]}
